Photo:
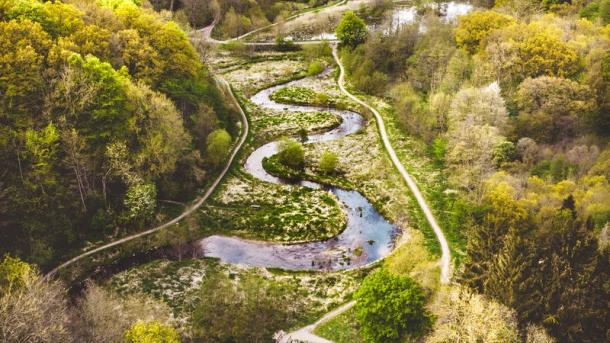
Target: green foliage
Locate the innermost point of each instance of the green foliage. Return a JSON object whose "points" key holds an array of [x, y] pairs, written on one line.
{"points": [[410, 257], [284, 44], [106, 113], [218, 146], [315, 68], [79, 81], [439, 149], [341, 329], [21, 81], [328, 162], [381, 59], [14, 273], [532, 263], [391, 307], [430, 56], [604, 11], [291, 154], [504, 153], [316, 51], [250, 310], [351, 30], [552, 109], [533, 51], [140, 202], [151, 332], [42, 146], [590, 11], [237, 47], [307, 96], [556, 169], [474, 28], [56, 18]]}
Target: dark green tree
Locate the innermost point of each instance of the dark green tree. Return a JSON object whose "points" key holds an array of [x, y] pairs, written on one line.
{"points": [[351, 31], [390, 307]]}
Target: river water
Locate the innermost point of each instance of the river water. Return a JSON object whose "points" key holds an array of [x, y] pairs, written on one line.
{"points": [[367, 237], [402, 15]]}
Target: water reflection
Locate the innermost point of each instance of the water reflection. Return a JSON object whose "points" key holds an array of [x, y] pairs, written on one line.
{"points": [[367, 237]]}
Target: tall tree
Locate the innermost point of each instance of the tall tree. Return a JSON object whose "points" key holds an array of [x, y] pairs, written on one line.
{"points": [[351, 30]]}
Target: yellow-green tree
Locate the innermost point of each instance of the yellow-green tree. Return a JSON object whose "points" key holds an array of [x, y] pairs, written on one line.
{"points": [[151, 332], [521, 51], [218, 146], [328, 162], [474, 28]]}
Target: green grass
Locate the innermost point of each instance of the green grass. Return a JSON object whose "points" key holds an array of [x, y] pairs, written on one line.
{"points": [[307, 96], [341, 329], [177, 284]]}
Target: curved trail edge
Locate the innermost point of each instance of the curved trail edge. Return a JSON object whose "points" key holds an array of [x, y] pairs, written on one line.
{"points": [[306, 334], [445, 261], [242, 139]]}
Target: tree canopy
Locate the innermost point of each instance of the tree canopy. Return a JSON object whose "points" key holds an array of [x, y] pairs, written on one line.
{"points": [[474, 28], [352, 30], [98, 101], [390, 307]]}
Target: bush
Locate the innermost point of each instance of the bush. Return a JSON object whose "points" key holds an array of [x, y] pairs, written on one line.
{"points": [[140, 202], [314, 51], [237, 47], [218, 146], [351, 31], [328, 162], [152, 332], [292, 154], [315, 68], [284, 44], [390, 307]]}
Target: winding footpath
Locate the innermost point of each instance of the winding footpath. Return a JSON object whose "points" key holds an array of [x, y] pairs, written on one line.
{"points": [[366, 237], [445, 262], [242, 139], [306, 334], [206, 32]]}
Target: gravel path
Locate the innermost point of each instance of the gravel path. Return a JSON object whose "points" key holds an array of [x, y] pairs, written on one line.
{"points": [[189, 210]]}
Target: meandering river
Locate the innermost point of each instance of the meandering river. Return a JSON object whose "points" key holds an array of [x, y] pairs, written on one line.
{"points": [[367, 237]]}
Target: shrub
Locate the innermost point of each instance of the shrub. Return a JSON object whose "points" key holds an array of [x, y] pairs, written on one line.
{"points": [[218, 146], [390, 307], [292, 154], [328, 162], [315, 68], [152, 332], [284, 44], [314, 51]]}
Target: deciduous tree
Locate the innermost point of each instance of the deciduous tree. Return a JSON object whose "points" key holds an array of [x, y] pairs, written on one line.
{"points": [[351, 31], [391, 307]]}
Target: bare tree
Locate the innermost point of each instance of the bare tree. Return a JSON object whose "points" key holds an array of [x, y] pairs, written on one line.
{"points": [[35, 312]]}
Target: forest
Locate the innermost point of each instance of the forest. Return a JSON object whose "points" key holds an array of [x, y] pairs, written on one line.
{"points": [[515, 108], [117, 115], [105, 109]]}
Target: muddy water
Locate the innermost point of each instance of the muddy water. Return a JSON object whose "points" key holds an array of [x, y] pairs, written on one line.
{"points": [[368, 236]]}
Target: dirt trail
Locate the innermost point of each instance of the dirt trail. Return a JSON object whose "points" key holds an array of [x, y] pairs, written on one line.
{"points": [[306, 334], [445, 261], [189, 210]]}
